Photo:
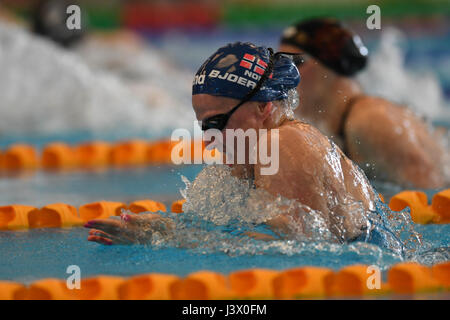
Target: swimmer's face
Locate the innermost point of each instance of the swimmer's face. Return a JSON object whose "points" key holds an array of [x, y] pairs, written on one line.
{"points": [[251, 115]]}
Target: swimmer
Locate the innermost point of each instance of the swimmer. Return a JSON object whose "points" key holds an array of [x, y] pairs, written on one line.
{"points": [[49, 20], [312, 169], [387, 140]]}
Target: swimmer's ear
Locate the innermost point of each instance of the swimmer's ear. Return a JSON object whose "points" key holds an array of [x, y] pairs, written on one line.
{"points": [[265, 109]]}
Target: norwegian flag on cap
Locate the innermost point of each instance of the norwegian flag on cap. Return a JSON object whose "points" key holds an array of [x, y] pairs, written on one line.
{"points": [[236, 68], [248, 62]]}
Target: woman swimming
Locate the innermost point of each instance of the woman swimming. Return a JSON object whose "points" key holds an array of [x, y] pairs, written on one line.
{"points": [[242, 86], [387, 140]]}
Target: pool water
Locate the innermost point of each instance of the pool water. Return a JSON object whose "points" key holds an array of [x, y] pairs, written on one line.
{"points": [[42, 253], [160, 183]]}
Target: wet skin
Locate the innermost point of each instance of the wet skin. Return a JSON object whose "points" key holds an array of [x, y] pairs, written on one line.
{"points": [[311, 168], [387, 140]]}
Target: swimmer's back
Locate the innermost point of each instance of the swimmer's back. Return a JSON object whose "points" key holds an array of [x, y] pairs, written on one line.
{"points": [[400, 143], [312, 166]]}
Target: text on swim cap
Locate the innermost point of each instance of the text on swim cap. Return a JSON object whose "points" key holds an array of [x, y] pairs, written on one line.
{"points": [[232, 78]]}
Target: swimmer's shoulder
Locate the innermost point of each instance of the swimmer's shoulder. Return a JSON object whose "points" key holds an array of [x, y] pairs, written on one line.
{"points": [[298, 132], [378, 109], [301, 142]]}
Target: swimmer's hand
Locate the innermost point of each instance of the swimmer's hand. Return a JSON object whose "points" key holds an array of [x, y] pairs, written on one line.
{"points": [[129, 229]]}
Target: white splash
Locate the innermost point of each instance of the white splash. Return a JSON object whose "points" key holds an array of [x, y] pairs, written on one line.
{"points": [[387, 77]]}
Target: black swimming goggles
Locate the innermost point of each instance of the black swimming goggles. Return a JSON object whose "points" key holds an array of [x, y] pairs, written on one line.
{"points": [[219, 121]]}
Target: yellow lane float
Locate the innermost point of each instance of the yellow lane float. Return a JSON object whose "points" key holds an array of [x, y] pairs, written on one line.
{"points": [[101, 210], [303, 282], [58, 156], [20, 157], [253, 283], [93, 154], [147, 287], [441, 205], [410, 277], [159, 152], [54, 216], [177, 206], [308, 282], [45, 289], [417, 201], [353, 281], [201, 285], [441, 273], [14, 217], [9, 289], [129, 153], [146, 206]]}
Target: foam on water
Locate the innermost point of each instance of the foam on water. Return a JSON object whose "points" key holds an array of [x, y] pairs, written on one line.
{"points": [[47, 89]]}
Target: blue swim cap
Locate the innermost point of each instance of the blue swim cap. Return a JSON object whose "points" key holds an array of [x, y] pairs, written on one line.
{"points": [[235, 69]]}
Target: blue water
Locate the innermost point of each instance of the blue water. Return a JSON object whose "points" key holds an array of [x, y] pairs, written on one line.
{"points": [[29, 255], [41, 253], [161, 183]]}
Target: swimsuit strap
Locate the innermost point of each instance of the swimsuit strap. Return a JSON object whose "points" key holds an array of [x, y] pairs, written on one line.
{"points": [[341, 130]]}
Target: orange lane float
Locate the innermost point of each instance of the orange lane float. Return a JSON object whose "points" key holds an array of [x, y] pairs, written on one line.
{"points": [[160, 152], [20, 157], [99, 288], [306, 282], [417, 201], [129, 153], [45, 289], [54, 216], [441, 205], [9, 289], [441, 273], [253, 283], [93, 154], [410, 277], [101, 210], [355, 280], [14, 216], [201, 285], [58, 155], [177, 206], [146, 205], [147, 287]]}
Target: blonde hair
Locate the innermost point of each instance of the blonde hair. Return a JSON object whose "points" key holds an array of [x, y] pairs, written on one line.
{"points": [[287, 106]]}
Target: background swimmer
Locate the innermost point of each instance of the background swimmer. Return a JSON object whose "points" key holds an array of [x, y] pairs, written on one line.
{"points": [[313, 170], [99, 87], [387, 140]]}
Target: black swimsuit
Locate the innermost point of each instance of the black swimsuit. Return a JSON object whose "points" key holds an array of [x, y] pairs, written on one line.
{"points": [[341, 130]]}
